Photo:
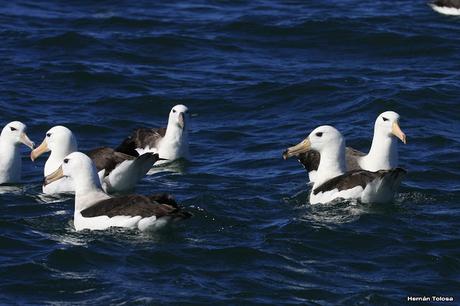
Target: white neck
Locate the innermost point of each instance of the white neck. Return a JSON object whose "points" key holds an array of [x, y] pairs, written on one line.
{"points": [[175, 143], [173, 131], [88, 190], [383, 154], [56, 157], [331, 164], [10, 161]]}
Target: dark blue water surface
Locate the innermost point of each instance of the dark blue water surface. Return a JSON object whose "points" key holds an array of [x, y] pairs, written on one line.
{"points": [[257, 76]]}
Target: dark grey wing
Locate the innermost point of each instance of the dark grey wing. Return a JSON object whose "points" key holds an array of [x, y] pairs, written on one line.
{"points": [[107, 158], [447, 3], [309, 160], [141, 138], [133, 205], [164, 198], [355, 178], [352, 157]]}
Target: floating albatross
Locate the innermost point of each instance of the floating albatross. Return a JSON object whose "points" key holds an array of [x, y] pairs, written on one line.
{"points": [[13, 134], [446, 7], [96, 210], [334, 182], [170, 143], [118, 172], [383, 154]]}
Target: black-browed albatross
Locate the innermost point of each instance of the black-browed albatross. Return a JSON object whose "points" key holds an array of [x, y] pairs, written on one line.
{"points": [[170, 143], [96, 210], [334, 182], [118, 172], [383, 154]]}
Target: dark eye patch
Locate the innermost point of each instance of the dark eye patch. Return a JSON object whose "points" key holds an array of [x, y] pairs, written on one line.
{"points": [[66, 161], [319, 134], [13, 129], [48, 135], [174, 110], [385, 119]]}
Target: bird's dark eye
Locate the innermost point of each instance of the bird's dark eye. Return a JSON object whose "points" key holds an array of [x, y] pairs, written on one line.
{"points": [[13, 129], [319, 134], [66, 161], [385, 119], [48, 135], [174, 110]]}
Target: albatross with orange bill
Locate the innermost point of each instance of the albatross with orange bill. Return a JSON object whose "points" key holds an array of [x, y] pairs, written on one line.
{"points": [[171, 143], [334, 182], [118, 172], [383, 154], [96, 210]]}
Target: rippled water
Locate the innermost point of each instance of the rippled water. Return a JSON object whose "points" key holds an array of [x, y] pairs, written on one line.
{"points": [[258, 76]]}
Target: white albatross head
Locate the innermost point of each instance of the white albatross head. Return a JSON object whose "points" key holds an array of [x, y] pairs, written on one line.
{"points": [[58, 139], [321, 138], [179, 117], [15, 134], [329, 142], [325, 137], [387, 124], [80, 168]]}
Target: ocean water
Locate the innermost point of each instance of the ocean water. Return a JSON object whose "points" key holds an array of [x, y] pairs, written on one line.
{"points": [[257, 76]]}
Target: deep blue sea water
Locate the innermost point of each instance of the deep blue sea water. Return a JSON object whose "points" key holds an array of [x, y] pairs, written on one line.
{"points": [[257, 76]]}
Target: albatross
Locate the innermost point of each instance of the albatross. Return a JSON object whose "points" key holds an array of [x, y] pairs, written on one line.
{"points": [[334, 182], [383, 154], [170, 143], [118, 172], [13, 134], [96, 210], [446, 7]]}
